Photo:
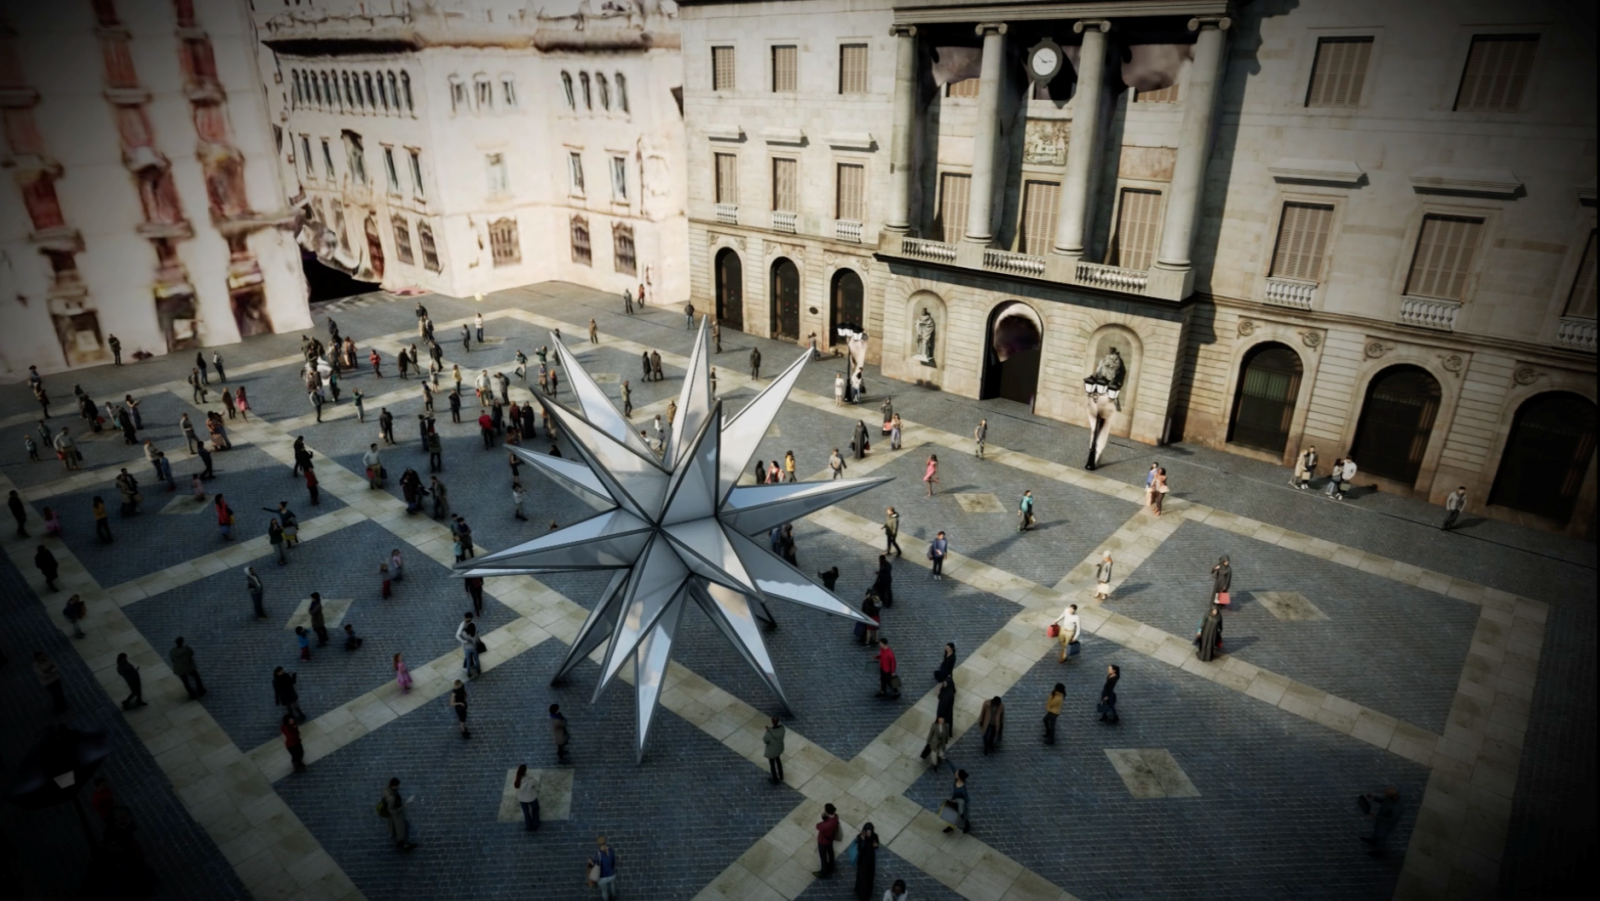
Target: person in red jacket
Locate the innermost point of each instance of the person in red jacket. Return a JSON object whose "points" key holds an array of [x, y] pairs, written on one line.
{"points": [[886, 670], [486, 427], [827, 834]]}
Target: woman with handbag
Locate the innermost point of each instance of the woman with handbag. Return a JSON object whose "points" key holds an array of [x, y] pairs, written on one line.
{"points": [[1102, 576], [1068, 627], [1208, 635], [602, 870], [962, 802], [938, 740], [1221, 580], [947, 663], [865, 852], [1159, 490]]}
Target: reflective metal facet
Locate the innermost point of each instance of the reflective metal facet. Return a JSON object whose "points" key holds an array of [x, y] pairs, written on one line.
{"points": [[674, 531]]}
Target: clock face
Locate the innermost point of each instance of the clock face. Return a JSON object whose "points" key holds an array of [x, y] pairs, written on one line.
{"points": [[1044, 60]]}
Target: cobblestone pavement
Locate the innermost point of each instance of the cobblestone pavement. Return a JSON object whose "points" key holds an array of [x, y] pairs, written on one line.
{"points": [[1458, 667]]}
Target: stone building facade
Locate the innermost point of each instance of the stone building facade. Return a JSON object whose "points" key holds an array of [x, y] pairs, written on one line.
{"points": [[467, 146], [1366, 227], [141, 201]]}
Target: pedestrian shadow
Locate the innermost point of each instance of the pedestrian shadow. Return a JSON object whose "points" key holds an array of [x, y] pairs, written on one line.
{"points": [[1235, 645], [1130, 589]]}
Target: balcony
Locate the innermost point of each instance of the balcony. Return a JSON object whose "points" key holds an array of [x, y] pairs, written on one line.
{"points": [[1429, 313], [995, 263], [1290, 292], [727, 214], [1577, 334], [928, 250], [1113, 278], [1014, 263], [847, 230], [785, 221]]}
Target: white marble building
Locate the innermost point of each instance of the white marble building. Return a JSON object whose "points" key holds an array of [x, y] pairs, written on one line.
{"points": [[466, 146], [141, 199], [1364, 226]]}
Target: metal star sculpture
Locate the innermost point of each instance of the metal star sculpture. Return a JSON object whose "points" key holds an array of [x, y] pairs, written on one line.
{"points": [[673, 530]]}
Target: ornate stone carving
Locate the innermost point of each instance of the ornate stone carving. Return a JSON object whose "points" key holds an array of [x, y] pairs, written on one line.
{"points": [[1452, 362], [1526, 375], [1312, 340], [735, 241], [796, 252], [1376, 349], [1246, 327], [1044, 142]]}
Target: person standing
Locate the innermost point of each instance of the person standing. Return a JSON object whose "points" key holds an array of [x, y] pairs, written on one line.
{"points": [[716, 335], [937, 551], [594, 332], [474, 586], [477, 326], [467, 636], [44, 669], [891, 533], [836, 464], [284, 693], [67, 449], [1208, 635], [441, 499], [130, 675], [182, 657], [1385, 816], [603, 869], [319, 623], [1069, 629], [930, 475], [838, 389], [517, 497], [76, 611], [827, 834], [871, 608], [558, 732], [858, 443], [1221, 580], [527, 789], [1305, 469], [1158, 491], [1052, 712], [1102, 576], [116, 350], [962, 802], [888, 667], [992, 720], [102, 523], [393, 808], [1025, 512], [980, 436], [937, 740], [275, 539], [224, 517], [627, 400], [866, 861], [1453, 505], [688, 317], [216, 361], [458, 705], [205, 460], [290, 728], [772, 748], [386, 425], [197, 387], [1108, 695], [627, 301], [253, 584], [374, 465], [655, 368], [755, 362]]}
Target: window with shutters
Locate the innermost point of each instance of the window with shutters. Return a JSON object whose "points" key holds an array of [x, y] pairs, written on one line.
{"points": [[619, 178], [508, 90], [785, 185], [504, 245], [416, 172], [785, 69], [405, 88], [459, 101], [1038, 231], [1138, 229], [485, 93], [722, 68], [580, 241], [853, 68], [1581, 299], [1497, 72], [954, 192], [305, 153], [327, 159], [499, 176], [1339, 72], [1302, 241], [430, 250], [1168, 94], [402, 241], [622, 248], [1446, 247], [356, 157], [727, 178], [622, 92], [967, 88], [851, 190], [566, 90], [575, 173], [605, 90], [391, 173]]}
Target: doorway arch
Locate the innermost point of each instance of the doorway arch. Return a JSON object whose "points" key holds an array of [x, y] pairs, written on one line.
{"points": [[1396, 422], [846, 305], [1012, 352], [785, 296], [1263, 405], [1547, 455], [730, 289], [374, 249]]}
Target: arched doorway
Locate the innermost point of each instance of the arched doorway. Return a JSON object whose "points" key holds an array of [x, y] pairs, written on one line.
{"points": [[845, 306], [1547, 456], [730, 289], [1263, 406], [374, 249], [785, 300], [1011, 356], [1396, 421]]}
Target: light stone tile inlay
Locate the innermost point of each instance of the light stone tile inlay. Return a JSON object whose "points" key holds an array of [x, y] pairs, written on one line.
{"points": [[1151, 773], [1288, 605], [184, 502], [555, 795], [333, 611], [979, 503]]}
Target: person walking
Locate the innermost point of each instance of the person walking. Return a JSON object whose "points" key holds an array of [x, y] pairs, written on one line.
{"points": [[517, 497], [116, 350], [836, 464], [467, 636], [992, 720], [655, 368], [1069, 630], [49, 676], [594, 332], [19, 512], [1208, 635], [938, 550], [871, 608], [891, 533], [716, 335], [1025, 512], [888, 669], [1108, 695], [866, 845], [930, 475], [963, 804], [67, 449], [1221, 580], [602, 870], [1102, 576], [243, 404], [937, 740], [558, 732], [253, 584], [627, 301], [477, 326], [772, 748], [1385, 813], [197, 387], [130, 675], [1305, 468], [980, 436], [319, 623], [216, 362], [458, 706], [284, 694], [527, 789], [386, 425], [224, 518], [474, 585], [788, 467], [858, 442], [303, 639], [441, 499], [76, 611], [827, 834], [182, 657], [290, 729], [838, 389], [1052, 712], [374, 466], [688, 317], [392, 807], [102, 522], [755, 362], [275, 538], [1158, 490], [1453, 505]]}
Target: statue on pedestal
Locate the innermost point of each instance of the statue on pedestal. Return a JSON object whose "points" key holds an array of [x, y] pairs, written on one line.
{"points": [[1101, 390]]}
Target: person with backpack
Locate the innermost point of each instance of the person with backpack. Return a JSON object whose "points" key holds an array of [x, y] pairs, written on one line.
{"points": [[392, 807]]}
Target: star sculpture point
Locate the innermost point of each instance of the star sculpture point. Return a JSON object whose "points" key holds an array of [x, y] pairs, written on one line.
{"points": [[672, 529]]}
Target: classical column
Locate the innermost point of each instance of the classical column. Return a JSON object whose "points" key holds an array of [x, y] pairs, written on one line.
{"points": [[898, 216], [1199, 97], [1083, 143], [986, 133]]}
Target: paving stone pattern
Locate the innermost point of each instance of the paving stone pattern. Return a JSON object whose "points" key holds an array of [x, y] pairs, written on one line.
{"points": [[841, 887], [1353, 654], [103, 452]]}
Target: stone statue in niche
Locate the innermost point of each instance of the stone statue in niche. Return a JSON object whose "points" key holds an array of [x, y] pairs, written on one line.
{"points": [[1101, 391], [927, 335]]}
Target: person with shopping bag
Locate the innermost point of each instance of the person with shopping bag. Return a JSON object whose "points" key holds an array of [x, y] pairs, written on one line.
{"points": [[1066, 629], [957, 811], [1221, 581]]}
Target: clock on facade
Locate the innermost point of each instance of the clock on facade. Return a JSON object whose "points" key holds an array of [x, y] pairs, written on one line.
{"points": [[1044, 61]]}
